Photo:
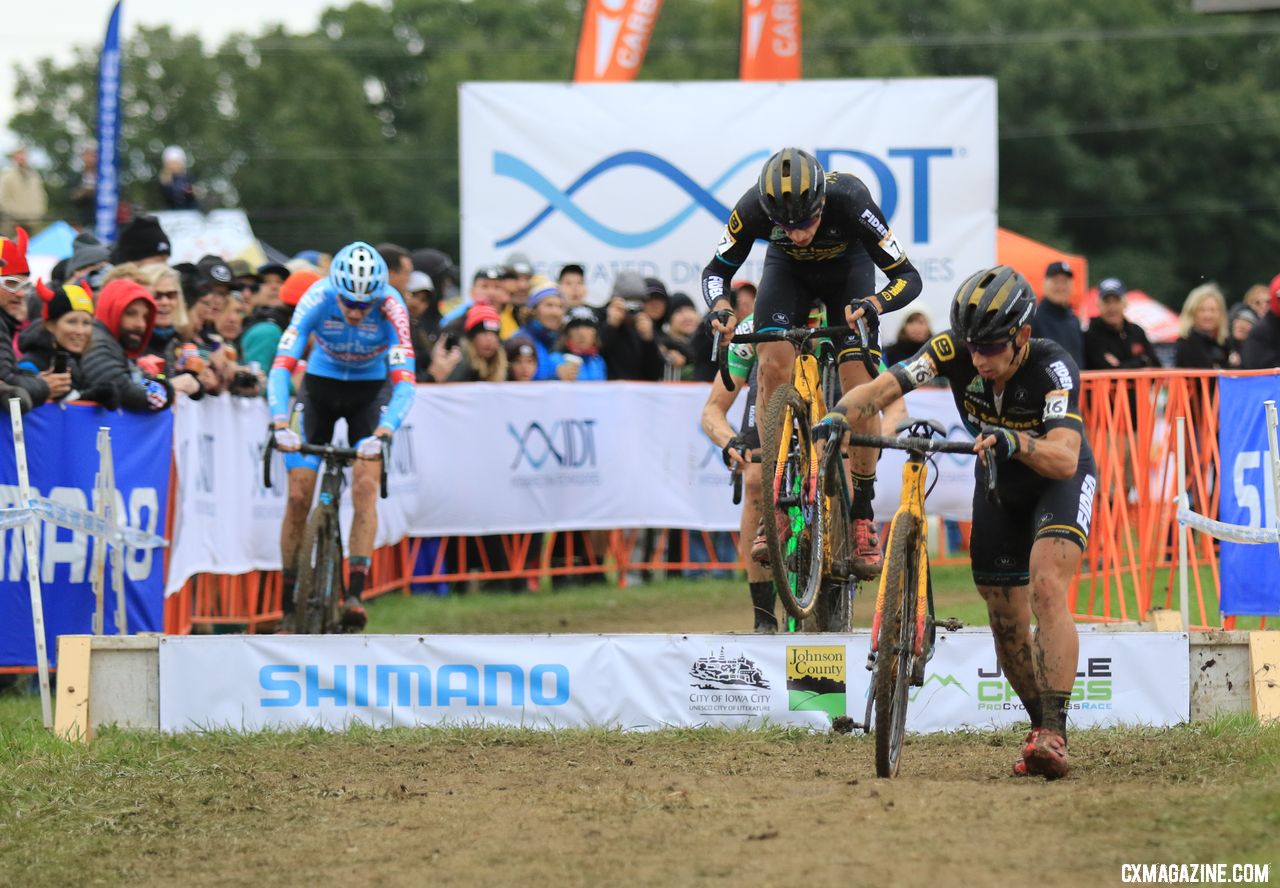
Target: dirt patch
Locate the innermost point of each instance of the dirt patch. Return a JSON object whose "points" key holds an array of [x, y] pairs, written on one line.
{"points": [[680, 807]]}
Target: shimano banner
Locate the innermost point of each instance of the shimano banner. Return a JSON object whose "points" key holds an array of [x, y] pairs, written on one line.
{"points": [[63, 460], [635, 682], [495, 458], [643, 175], [1250, 573]]}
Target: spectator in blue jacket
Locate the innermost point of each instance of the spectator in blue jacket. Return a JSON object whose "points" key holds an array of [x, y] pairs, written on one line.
{"points": [[546, 318], [1054, 318], [581, 358]]}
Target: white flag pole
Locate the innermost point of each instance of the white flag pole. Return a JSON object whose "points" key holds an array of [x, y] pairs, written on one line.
{"points": [[33, 563]]}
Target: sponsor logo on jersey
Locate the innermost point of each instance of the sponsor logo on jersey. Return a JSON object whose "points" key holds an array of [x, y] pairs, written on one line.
{"points": [[333, 325], [1061, 374], [1085, 512], [398, 315], [735, 223], [868, 218], [943, 347], [780, 318], [975, 385], [1055, 405]]}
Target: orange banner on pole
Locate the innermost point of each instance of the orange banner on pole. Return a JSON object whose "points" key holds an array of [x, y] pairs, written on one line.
{"points": [[770, 40], [615, 35]]}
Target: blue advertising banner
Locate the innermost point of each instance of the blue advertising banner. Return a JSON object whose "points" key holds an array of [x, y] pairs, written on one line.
{"points": [[1250, 573], [63, 459], [109, 130]]}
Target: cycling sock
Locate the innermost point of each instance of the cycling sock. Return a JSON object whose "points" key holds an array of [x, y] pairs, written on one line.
{"points": [[1053, 706], [864, 491], [1035, 711], [358, 569], [762, 601], [288, 579]]}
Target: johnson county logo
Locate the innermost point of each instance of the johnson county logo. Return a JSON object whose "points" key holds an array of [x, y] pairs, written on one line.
{"points": [[729, 686], [912, 162], [816, 679]]}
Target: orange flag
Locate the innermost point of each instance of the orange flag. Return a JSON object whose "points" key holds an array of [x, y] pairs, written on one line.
{"points": [[770, 40], [615, 35]]}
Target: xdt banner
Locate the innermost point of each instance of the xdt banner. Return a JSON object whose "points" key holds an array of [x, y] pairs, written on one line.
{"points": [[63, 460], [770, 40], [1250, 573], [615, 35], [643, 176], [108, 129]]}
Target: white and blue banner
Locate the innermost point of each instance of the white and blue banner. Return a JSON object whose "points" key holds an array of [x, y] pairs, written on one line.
{"points": [[1249, 572], [63, 462], [643, 175], [481, 458], [109, 65], [634, 682]]}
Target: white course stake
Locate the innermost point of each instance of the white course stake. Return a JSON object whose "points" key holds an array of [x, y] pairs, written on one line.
{"points": [[1184, 532], [1275, 460], [33, 564], [104, 497]]}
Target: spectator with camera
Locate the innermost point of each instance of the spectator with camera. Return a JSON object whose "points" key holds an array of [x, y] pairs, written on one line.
{"points": [[580, 360], [15, 280], [126, 314], [543, 328], [52, 346], [627, 336]]}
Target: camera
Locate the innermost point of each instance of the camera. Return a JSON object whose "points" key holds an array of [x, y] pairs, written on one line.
{"points": [[60, 359], [244, 382], [634, 306]]}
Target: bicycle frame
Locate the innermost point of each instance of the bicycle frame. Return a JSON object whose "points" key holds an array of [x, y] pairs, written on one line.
{"points": [[911, 504]]}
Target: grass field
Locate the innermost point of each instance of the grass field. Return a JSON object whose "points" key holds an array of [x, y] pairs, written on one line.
{"points": [[471, 806]]}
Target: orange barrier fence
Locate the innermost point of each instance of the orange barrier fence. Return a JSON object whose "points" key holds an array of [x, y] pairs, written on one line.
{"points": [[1129, 567]]}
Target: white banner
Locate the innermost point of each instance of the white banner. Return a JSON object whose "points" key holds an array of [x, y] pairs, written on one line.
{"points": [[637, 175], [482, 458], [636, 682]]}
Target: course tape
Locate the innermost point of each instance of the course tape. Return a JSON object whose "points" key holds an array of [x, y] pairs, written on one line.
{"points": [[82, 522], [1233, 533]]}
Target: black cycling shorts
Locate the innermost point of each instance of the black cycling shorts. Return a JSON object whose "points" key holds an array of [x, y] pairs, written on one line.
{"points": [[749, 432], [1000, 544], [789, 287], [323, 401]]}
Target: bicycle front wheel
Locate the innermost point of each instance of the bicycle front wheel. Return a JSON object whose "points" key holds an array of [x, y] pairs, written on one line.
{"points": [[895, 645], [794, 514], [320, 581]]}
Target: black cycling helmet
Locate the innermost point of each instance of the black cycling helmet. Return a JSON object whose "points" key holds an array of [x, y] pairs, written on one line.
{"points": [[992, 305], [792, 187]]}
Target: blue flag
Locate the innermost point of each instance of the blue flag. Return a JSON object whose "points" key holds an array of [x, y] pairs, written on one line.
{"points": [[109, 130], [1250, 573]]}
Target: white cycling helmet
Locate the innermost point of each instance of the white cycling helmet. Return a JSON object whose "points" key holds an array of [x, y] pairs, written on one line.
{"points": [[358, 273]]}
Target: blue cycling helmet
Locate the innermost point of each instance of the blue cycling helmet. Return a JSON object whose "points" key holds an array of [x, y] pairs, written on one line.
{"points": [[358, 273]]}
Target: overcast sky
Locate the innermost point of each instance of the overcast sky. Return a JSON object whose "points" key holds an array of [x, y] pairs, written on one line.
{"points": [[35, 29]]}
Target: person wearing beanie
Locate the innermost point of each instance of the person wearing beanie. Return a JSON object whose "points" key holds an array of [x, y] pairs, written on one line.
{"points": [[1262, 347], [628, 338], [483, 359], [676, 340], [522, 359], [141, 241], [546, 319], [15, 276], [580, 361], [656, 301], [89, 260], [125, 316], [1240, 320], [53, 345]]}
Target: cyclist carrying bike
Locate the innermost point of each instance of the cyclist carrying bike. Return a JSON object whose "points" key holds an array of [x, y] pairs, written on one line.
{"points": [[826, 237], [1020, 398], [361, 369]]}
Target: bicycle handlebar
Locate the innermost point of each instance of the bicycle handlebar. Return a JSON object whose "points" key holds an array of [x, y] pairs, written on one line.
{"points": [[795, 335], [328, 453], [932, 445]]}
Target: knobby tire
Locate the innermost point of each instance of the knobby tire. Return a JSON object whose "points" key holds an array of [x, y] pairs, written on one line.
{"points": [[320, 581], [787, 415], [897, 635]]}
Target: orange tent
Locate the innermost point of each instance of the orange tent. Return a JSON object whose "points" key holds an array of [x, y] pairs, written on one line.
{"points": [[1030, 258]]}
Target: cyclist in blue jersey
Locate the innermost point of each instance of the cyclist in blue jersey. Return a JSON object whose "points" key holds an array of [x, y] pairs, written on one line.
{"points": [[361, 369]]}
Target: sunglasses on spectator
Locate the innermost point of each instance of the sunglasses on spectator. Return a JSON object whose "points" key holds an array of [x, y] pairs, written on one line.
{"points": [[248, 288], [355, 306], [988, 349], [167, 294], [15, 282]]}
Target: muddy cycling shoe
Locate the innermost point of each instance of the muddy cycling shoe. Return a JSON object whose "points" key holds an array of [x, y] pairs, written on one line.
{"points": [[354, 617], [766, 624], [1045, 754], [866, 549], [1020, 763]]}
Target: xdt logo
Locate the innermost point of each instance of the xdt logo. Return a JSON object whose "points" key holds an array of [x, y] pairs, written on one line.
{"points": [[569, 443], [880, 171]]}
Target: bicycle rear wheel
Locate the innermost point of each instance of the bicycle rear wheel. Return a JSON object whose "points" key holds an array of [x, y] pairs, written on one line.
{"points": [[320, 582], [794, 515], [896, 641]]}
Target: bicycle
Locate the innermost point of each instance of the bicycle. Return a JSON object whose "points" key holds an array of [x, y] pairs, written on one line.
{"points": [[810, 545], [321, 586], [903, 628]]}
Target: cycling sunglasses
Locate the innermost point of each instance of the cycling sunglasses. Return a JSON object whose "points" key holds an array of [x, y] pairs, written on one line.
{"points": [[988, 349], [801, 226], [355, 306]]}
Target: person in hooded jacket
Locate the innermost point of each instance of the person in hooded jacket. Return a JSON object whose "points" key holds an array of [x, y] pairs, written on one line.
{"points": [[126, 315], [60, 337], [15, 277]]}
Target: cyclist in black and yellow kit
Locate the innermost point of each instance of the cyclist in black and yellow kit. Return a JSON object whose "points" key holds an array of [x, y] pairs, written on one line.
{"points": [[1020, 397], [826, 237]]}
